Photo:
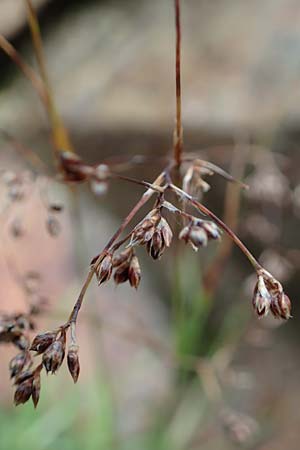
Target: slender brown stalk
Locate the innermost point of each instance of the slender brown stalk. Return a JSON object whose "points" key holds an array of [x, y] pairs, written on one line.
{"points": [[60, 136], [27, 70], [178, 133], [231, 213], [145, 197]]}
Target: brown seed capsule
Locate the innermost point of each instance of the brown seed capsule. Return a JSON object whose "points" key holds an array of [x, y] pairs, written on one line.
{"points": [[124, 256], [134, 272], [199, 232], [144, 230], [42, 341], [281, 307], [17, 363], [156, 245], [54, 355], [73, 362], [21, 342], [261, 300], [121, 273], [36, 388], [23, 391], [104, 270], [166, 232], [272, 290]]}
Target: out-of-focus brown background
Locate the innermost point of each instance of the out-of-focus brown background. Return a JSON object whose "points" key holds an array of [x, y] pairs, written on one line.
{"points": [[111, 64]]}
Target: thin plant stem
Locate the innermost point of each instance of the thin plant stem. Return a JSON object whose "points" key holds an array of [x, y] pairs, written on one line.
{"points": [[178, 133], [145, 197], [27, 70], [231, 213], [60, 136]]}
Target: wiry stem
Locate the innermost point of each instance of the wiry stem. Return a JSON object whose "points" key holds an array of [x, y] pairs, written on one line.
{"points": [[60, 135], [178, 134], [145, 197], [27, 70]]}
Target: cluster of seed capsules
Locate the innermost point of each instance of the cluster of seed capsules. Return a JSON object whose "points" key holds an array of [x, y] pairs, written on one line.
{"points": [[155, 233], [52, 347]]}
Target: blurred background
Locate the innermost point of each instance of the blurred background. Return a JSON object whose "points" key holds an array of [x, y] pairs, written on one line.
{"points": [[111, 65]]}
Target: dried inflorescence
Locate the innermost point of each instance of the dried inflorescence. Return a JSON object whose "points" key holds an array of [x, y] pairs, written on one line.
{"points": [[152, 232], [76, 170], [269, 296], [199, 232]]}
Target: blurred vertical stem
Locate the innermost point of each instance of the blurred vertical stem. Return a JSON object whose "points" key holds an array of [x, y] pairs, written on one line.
{"points": [[61, 139], [231, 212], [178, 133]]}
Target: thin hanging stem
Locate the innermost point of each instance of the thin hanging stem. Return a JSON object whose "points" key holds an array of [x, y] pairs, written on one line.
{"points": [[178, 134], [60, 135]]}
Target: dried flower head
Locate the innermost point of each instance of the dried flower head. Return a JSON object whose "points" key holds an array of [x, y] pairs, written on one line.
{"points": [[23, 391], [73, 362], [54, 355], [36, 388], [269, 296], [143, 232], [42, 341], [104, 270], [17, 363], [193, 182], [134, 272], [261, 300], [199, 232], [161, 239]]}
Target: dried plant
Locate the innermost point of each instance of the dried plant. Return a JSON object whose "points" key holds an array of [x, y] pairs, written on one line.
{"points": [[118, 259]]}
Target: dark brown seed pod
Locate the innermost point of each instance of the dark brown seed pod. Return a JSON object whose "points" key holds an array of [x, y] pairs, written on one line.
{"points": [[36, 388], [22, 342], [124, 256], [121, 273], [73, 362], [42, 341], [104, 270], [54, 355], [23, 391], [17, 363]]}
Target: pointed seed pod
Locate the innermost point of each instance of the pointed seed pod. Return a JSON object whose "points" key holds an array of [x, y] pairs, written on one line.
{"points": [[121, 273], [73, 362], [36, 388], [134, 272], [42, 341], [23, 392], [281, 307], [54, 355], [17, 364], [261, 300], [104, 270]]}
